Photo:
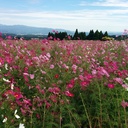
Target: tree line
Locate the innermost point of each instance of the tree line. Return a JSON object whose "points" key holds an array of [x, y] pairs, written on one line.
{"points": [[97, 35]]}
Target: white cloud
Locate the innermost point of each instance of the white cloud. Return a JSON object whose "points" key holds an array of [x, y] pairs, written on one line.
{"points": [[107, 3], [84, 20]]}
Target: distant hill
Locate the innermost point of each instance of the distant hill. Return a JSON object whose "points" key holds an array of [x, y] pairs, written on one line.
{"points": [[22, 29], [28, 30]]}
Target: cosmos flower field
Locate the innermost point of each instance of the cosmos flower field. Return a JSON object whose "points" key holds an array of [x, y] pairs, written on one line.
{"points": [[63, 84]]}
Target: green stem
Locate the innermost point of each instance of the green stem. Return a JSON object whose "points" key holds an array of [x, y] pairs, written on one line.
{"points": [[31, 118], [86, 111], [100, 106], [118, 104], [74, 118], [4, 89], [44, 113], [71, 115], [125, 118], [60, 114], [31, 121]]}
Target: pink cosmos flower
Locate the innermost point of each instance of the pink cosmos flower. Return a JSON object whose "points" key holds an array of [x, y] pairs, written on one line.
{"points": [[48, 55], [31, 76], [9, 37], [17, 95], [8, 59], [88, 77], [124, 104], [67, 93], [48, 105], [50, 38], [119, 80], [52, 66], [81, 77], [7, 93], [23, 111], [27, 101], [38, 87], [104, 72], [125, 86], [126, 49], [111, 86], [55, 90], [25, 74], [94, 72], [80, 69], [74, 67], [43, 72], [72, 81], [69, 37], [84, 83], [65, 66], [70, 85], [53, 31], [53, 98], [125, 32]]}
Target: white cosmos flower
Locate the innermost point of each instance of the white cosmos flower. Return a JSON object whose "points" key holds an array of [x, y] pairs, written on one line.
{"points": [[17, 116], [21, 125], [5, 119], [6, 66], [12, 86], [6, 80]]}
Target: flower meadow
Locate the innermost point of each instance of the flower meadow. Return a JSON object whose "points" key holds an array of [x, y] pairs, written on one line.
{"points": [[63, 84]]}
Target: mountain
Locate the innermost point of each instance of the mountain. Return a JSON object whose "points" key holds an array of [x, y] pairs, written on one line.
{"points": [[115, 33], [24, 30], [28, 30]]}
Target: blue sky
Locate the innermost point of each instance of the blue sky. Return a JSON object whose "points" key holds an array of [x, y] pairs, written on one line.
{"points": [[105, 15]]}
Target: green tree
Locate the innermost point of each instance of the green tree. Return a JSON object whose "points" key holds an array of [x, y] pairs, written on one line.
{"points": [[96, 35], [90, 35], [76, 35], [51, 36], [82, 35], [106, 33], [101, 35]]}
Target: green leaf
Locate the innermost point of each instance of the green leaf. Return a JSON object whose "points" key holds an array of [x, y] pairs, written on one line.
{"points": [[69, 126]]}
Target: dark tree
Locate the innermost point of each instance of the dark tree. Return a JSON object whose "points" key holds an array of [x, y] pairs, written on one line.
{"points": [[63, 35], [96, 35], [101, 35], [51, 36], [57, 35], [76, 35], [106, 34], [90, 35], [82, 35]]}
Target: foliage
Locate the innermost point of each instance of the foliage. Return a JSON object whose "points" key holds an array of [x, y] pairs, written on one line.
{"points": [[105, 38], [63, 84], [58, 35], [96, 35]]}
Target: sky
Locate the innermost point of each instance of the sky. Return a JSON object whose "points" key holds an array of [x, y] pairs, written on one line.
{"points": [[84, 15]]}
